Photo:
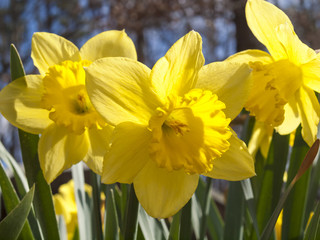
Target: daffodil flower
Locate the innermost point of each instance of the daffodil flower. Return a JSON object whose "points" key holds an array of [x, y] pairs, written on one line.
{"points": [[55, 103], [284, 81], [171, 123]]}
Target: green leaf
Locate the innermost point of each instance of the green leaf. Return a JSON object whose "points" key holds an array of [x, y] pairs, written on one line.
{"points": [[11, 200], [174, 233], [313, 230], [251, 205], [215, 224], [96, 197], [13, 223], [151, 228], [62, 228], [308, 160], [185, 222], [22, 186], [205, 208], [234, 212], [83, 206], [43, 202], [111, 220], [131, 219], [16, 66], [313, 189], [121, 202], [272, 179], [294, 209], [21, 180]]}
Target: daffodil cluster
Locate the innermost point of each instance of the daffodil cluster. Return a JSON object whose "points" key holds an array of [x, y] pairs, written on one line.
{"points": [[284, 80], [162, 128]]}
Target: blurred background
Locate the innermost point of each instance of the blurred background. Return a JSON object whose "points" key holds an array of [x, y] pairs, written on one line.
{"points": [[154, 25]]}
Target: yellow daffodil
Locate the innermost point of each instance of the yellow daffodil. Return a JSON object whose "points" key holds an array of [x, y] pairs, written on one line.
{"points": [[65, 205], [171, 123], [284, 81], [55, 103]]}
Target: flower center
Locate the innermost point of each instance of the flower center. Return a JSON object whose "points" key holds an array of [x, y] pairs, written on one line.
{"points": [[66, 98], [273, 85], [189, 132]]}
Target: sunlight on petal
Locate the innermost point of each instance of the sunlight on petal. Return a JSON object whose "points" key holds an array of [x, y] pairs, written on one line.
{"points": [[59, 150], [176, 73], [163, 193], [128, 153], [235, 164], [20, 104], [49, 49], [108, 44]]}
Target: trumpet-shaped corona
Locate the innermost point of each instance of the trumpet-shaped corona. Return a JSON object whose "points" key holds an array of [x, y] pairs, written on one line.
{"points": [[179, 132], [65, 96]]}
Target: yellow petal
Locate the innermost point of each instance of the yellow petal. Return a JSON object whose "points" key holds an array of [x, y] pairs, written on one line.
{"points": [[311, 74], [108, 44], [59, 150], [235, 164], [162, 193], [251, 56], [120, 90], [291, 117], [230, 81], [177, 71], [20, 103], [263, 18], [49, 49], [128, 154], [261, 138], [297, 52], [309, 111], [99, 140]]}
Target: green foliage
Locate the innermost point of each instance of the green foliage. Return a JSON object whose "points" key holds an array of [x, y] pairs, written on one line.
{"points": [[14, 222]]}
